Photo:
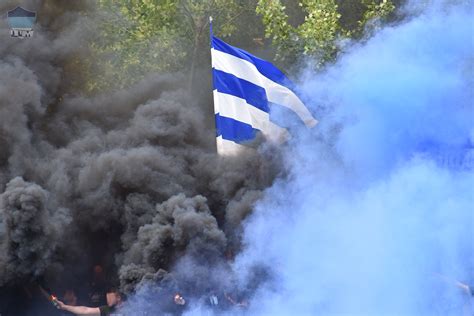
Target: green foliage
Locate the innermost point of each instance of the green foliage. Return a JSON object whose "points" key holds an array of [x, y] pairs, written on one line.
{"points": [[375, 10], [137, 37], [320, 28], [318, 34], [277, 27]]}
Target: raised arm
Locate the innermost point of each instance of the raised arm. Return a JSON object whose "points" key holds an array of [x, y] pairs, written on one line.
{"points": [[79, 310]]}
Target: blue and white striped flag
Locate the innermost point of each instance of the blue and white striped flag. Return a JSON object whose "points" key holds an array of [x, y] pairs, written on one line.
{"points": [[244, 86]]}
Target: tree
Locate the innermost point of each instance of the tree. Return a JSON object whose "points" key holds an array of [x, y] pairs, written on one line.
{"points": [[317, 35], [142, 36], [138, 37]]}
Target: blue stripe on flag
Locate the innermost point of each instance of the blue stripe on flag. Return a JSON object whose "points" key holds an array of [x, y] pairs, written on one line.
{"points": [[233, 130], [230, 84], [264, 67]]}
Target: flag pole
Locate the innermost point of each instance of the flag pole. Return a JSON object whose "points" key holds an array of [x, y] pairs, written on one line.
{"points": [[210, 27]]}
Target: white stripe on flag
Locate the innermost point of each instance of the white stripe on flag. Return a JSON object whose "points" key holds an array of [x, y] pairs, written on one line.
{"points": [[276, 93], [228, 147], [238, 109]]}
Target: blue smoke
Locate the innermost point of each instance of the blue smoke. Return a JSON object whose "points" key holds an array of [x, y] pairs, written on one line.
{"points": [[377, 214]]}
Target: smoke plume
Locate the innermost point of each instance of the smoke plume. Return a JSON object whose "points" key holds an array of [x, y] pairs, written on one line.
{"points": [[375, 217], [370, 215], [30, 231], [127, 179]]}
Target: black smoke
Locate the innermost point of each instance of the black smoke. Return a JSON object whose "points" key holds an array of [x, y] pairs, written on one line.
{"points": [[127, 179]]}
